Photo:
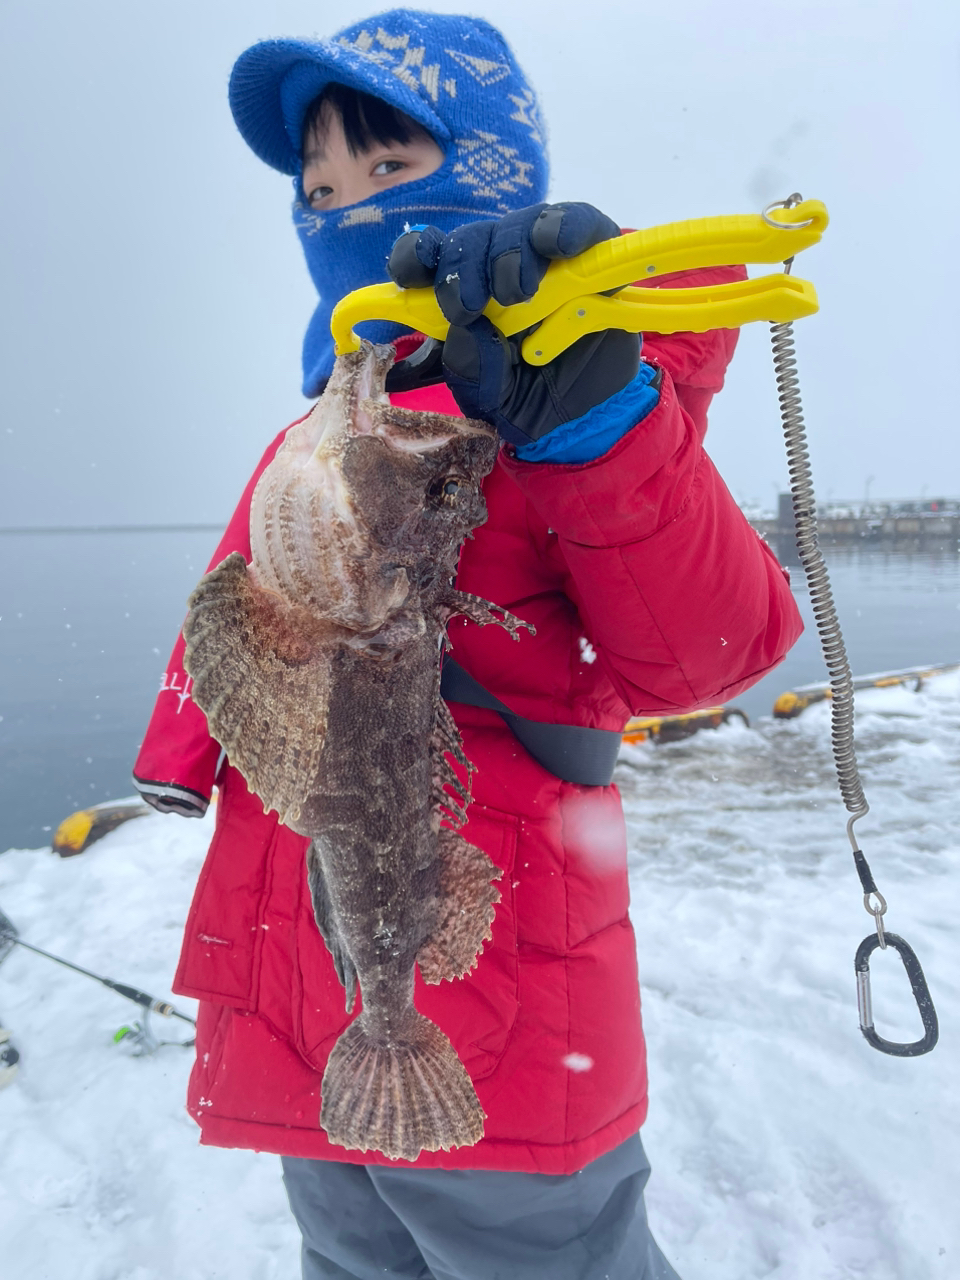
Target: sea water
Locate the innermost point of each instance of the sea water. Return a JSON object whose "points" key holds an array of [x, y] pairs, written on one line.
{"points": [[87, 622], [88, 619]]}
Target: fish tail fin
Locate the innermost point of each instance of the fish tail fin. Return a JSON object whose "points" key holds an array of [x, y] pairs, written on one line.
{"points": [[403, 1097]]}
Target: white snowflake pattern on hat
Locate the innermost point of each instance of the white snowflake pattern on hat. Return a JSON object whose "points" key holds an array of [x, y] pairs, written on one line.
{"points": [[528, 113], [485, 71], [304, 219], [406, 63], [362, 214], [491, 167]]}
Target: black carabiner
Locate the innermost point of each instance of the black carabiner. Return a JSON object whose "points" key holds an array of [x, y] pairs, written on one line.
{"points": [[921, 993]]}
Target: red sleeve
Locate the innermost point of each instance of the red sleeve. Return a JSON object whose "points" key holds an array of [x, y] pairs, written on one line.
{"points": [[697, 362], [684, 603], [178, 759]]}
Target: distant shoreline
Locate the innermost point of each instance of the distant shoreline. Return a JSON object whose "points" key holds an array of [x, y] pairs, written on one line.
{"points": [[115, 528]]}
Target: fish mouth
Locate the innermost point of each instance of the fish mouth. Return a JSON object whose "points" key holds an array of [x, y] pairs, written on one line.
{"points": [[364, 378], [362, 374]]}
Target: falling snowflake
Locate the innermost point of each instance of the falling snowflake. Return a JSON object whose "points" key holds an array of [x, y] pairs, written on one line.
{"points": [[587, 652], [578, 1062]]}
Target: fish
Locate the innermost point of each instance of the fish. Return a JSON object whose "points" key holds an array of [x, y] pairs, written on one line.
{"points": [[318, 666]]}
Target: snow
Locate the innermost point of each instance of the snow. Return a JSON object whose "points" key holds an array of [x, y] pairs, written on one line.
{"points": [[102, 1175], [782, 1145]]}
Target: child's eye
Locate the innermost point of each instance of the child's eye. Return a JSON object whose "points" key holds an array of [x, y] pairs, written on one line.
{"points": [[388, 166], [318, 195]]}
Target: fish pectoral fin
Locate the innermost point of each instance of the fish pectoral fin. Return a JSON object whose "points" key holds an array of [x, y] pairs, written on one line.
{"points": [[482, 612], [327, 924], [466, 909], [262, 682]]}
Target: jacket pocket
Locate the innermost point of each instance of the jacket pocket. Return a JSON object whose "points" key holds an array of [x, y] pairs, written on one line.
{"points": [[477, 1012], [220, 957]]}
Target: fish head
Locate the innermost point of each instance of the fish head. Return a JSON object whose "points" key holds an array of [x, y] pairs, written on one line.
{"points": [[416, 479], [360, 516]]}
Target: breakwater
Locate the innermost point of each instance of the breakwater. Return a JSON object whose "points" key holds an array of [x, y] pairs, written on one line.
{"points": [[902, 520]]}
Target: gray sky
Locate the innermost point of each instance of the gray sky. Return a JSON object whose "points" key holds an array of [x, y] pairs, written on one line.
{"points": [[152, 291]]}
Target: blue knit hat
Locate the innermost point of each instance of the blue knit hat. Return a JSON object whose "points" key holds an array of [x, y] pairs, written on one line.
{"points": [[455, 76]]}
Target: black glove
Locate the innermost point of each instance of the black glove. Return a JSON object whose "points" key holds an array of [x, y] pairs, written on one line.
{"points": [[507, 260]]}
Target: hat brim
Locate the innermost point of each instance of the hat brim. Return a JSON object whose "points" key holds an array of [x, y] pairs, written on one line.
{"points": [[273, 83]]}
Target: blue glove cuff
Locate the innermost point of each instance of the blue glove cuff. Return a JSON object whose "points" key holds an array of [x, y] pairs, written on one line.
{"points": [[588, 437]]}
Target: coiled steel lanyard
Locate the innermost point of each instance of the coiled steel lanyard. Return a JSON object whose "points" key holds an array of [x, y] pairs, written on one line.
{"points": [[841, 685]]}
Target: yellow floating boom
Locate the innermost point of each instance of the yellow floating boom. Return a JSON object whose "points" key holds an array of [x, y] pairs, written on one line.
{"points": [[791, 703], [86, 826], [674, 728]]}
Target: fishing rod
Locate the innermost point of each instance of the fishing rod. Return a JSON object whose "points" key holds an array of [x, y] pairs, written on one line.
{"points": [[140, 1034]]}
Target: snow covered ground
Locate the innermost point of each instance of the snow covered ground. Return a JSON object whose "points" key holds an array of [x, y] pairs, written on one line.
{"points": [[782, 1145]]}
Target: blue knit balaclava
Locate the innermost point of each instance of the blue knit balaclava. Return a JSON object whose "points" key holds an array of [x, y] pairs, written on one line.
{"points": [[456, 77]]}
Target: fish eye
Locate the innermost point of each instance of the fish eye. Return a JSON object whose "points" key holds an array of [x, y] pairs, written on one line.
{"points": [[447, 489]]}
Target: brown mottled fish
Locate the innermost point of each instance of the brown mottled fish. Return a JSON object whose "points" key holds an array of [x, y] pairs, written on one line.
{"points": [[318, 668]]}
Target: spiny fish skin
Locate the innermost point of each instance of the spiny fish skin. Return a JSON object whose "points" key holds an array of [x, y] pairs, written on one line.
{"points": [[318, 669]]}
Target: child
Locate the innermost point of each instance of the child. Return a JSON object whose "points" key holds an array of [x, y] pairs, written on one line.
{"points": [[415, 137]]}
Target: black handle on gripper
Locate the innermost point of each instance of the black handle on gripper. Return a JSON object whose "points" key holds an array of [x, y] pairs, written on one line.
{"points": [[921, 993]]}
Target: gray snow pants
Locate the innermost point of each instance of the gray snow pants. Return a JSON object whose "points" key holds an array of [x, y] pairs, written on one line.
{"points": [[370, 1222]]}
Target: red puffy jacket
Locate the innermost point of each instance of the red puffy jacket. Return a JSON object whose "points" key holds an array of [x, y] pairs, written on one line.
{"points": [[649, 593]]}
